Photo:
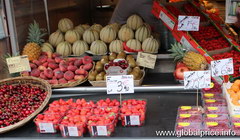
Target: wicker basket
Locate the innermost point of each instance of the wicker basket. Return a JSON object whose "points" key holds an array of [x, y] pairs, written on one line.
{"points": [[30, 80], [103, 83]]}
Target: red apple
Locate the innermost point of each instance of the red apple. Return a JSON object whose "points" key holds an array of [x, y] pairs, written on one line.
{"points": [[180, 64], [179, 72]]}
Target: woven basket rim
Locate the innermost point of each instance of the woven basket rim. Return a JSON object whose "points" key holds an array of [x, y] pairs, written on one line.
{"points": [[44, 103]]}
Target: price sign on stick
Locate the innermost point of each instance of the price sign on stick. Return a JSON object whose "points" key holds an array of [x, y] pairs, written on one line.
{"points": [[188, 23], [222, 67], [197, 79], [146, 60], [120, 84]]}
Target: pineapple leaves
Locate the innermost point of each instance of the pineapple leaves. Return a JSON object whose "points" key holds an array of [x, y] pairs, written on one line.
{"points": [[177, 51], [35, 33]]}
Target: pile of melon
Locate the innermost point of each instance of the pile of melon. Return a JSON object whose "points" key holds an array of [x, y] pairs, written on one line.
{"points": [[133, 36]]}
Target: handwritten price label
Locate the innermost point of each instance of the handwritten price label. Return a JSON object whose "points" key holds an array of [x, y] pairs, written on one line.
{"points": [[188, 23], [170, 23], [18, 64], [197, 79], [120, 84], [222, 67], [146, 60]]}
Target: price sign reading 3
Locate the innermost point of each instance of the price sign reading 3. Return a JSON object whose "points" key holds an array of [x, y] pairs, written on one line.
{"points": [[222, 67], [120, 84], [197, 79]]}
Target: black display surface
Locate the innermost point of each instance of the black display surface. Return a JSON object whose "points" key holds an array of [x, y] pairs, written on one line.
{"points": [[161, 115]]}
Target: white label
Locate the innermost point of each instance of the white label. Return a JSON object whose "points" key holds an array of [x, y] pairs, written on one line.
{"points": [[46, 128], [188, 23], [146, 60], [166, 20], [222, 67], [18, 64], [73, 131], [197, 79], [132, 120], [101, 130], [120, 84]]}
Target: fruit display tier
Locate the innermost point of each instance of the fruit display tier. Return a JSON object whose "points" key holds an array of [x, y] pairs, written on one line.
{"points": [[206, 41], [160, 115]]}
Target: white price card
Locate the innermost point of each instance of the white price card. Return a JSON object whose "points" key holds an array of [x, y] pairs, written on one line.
{"points": [[99, 130], [18, 64], [72, 131], [188, 23], [120, 84], [197, 79], [46, 128], [222, 67], [146, 60], [170, 23], [132, 120]]}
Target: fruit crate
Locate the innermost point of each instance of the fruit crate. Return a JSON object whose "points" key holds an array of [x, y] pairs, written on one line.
{"points": [[186, 38], [232, 109], [103, 83]]}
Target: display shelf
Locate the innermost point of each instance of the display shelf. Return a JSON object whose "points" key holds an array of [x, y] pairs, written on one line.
{"points": [[161, 115]]}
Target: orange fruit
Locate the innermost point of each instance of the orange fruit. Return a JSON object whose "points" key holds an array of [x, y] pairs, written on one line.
{"points": [[235, 102], [230, 91], [237, 82], [234, 96], [235, 88]]}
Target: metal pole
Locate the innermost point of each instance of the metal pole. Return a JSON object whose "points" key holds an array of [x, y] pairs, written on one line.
{"points": [[47, 17], [11, 26]]}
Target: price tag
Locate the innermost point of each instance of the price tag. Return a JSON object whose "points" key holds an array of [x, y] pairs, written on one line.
{"points": [[46, 128], [166, 20], [18, 64], [99, 130], [72, 131], [146, 60], [222, 67], [132, 120], [197, 79], [120, 84], [188, 23]]}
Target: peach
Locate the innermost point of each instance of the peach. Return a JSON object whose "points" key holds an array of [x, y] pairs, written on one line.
{"points": [[62, 81], [79, 77], [58, 59], [78, 62], [58, 74], [48, 73], [88, 66], [38, 63], [35, 72], [42, 75], [69, 75], [80, 71], [72, 68], [52, 65], [43, 58], [42, 68], [33, 66], [50, 60]]}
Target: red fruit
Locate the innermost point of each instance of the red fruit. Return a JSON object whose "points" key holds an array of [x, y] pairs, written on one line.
{"points": [[33, 66], [35, 72], [52, 65], [44, 53], [180, 64], [38, 63], [87, 59], [80, 71], [86, 73], [69, 75], [72, 59], [25, 73], [79, 77], [78, 62], [50, 60], [57, 69], [71, 63], [43, 58], [53, 82], [54, 55], [63, 67], [179, 72], [72, 68], [42, 68], [62, 81], [48, 73], [58, 59], [54, 78], [45, 64], [58, 74], [42, 76], [70, 81], [88, 66]]}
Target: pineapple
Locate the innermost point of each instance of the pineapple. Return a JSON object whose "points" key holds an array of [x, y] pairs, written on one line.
{"points": [[32, 48], [192, 60]]}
